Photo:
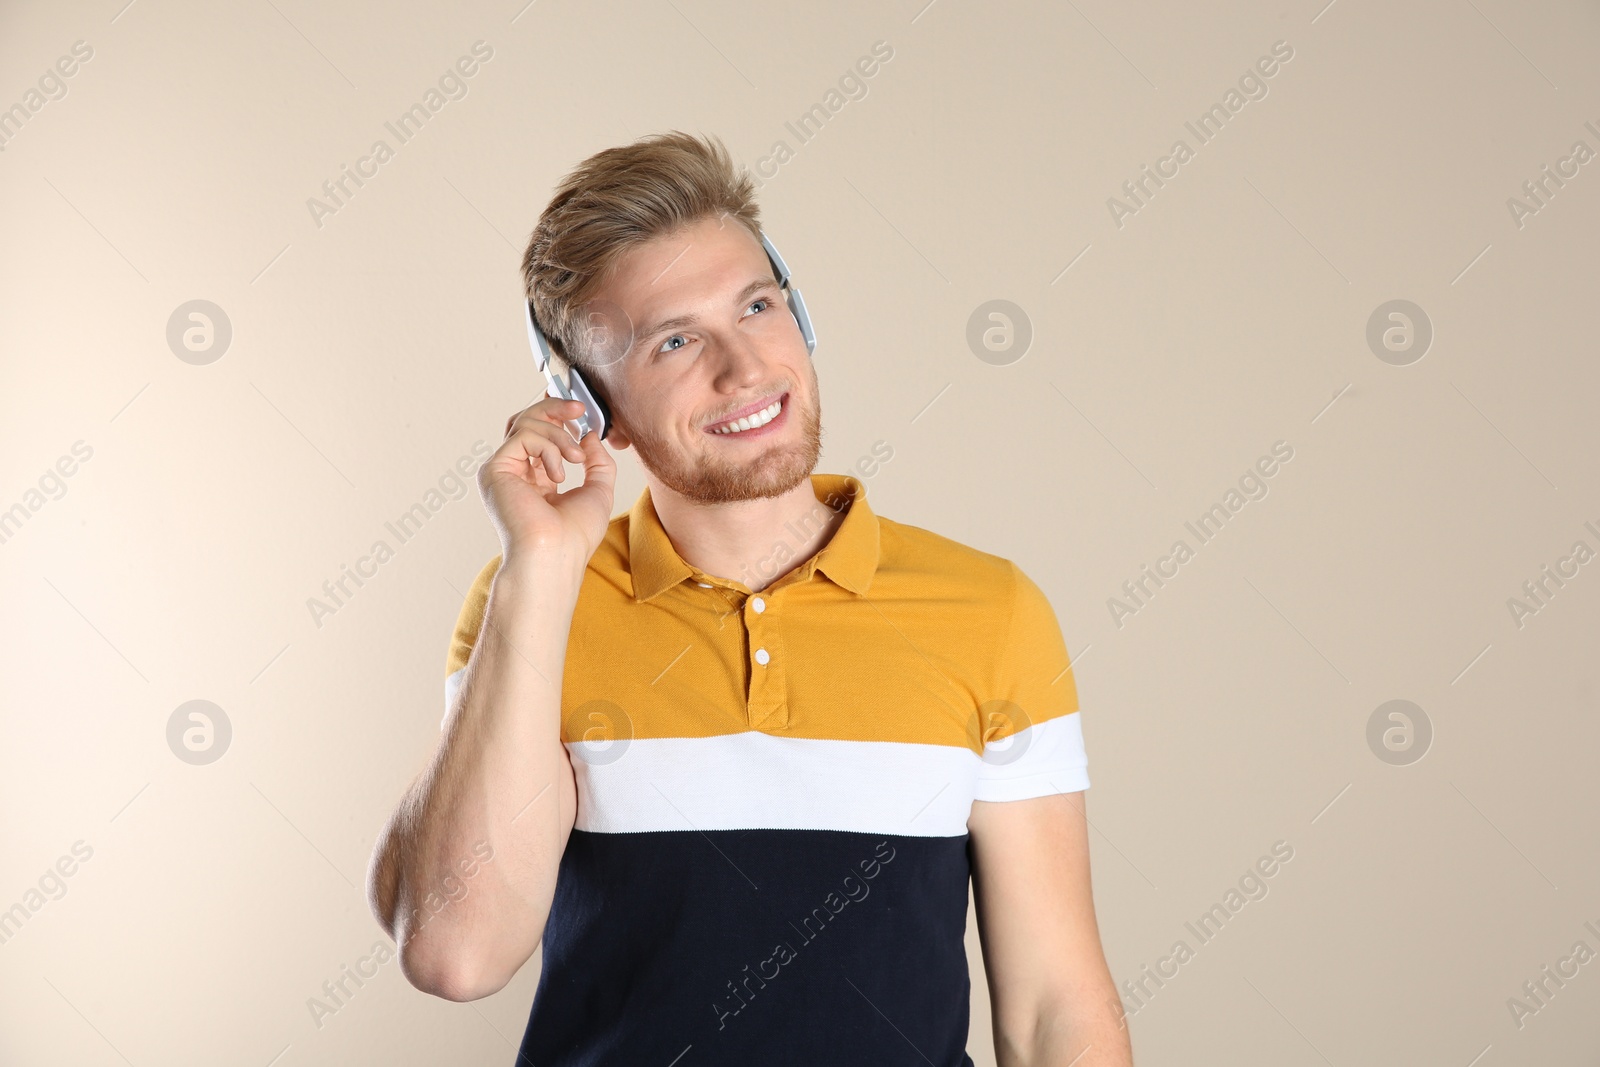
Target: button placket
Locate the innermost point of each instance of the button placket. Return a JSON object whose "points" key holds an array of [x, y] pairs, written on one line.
{"points": [[769, 707]]}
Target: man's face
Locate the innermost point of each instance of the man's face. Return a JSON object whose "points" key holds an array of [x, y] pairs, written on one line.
{"points": [[700, 334]]}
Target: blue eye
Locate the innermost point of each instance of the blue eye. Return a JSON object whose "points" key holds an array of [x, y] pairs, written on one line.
{"points": [[667, 346]]}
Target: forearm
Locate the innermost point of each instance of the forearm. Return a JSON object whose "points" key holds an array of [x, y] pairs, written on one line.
{"points": [[1085, 1029], [500, 783]]}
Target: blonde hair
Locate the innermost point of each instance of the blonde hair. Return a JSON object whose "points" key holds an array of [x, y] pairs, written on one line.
{"points": [[614, 200]]}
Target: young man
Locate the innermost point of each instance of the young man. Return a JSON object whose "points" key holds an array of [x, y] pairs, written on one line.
{"points": [[733, 755]]}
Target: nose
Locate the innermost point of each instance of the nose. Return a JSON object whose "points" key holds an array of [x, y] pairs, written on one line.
{"points": [[741, 363]]}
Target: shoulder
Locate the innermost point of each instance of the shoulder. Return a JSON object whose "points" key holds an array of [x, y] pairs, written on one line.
{"points": [[947, 567]]}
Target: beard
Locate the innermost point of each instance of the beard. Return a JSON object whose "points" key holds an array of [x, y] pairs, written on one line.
{"points": [[770, 470]]}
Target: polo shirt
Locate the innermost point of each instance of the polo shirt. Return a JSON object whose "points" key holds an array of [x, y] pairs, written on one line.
{"points": [[769, 861]]}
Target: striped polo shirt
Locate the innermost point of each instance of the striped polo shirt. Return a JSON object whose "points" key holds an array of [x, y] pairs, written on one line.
{"points": [[769, 859]]}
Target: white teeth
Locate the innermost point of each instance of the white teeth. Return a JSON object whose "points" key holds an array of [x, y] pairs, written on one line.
{"points": [[750, 422]]}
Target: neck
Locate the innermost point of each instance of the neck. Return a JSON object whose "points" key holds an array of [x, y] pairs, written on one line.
{"points": [[752, 542]]}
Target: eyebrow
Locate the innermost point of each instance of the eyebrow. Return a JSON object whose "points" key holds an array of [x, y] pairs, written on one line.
{"points": [[682, 321]]}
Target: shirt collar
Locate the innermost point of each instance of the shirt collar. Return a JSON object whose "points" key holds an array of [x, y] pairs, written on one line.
{"points": [[850, 558]]}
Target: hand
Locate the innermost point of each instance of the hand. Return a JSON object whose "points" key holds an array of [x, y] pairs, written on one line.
{"points": [[518, 485]]}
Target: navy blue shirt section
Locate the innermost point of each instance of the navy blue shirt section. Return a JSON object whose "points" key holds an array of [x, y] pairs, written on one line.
{"points": [[754, 947]]}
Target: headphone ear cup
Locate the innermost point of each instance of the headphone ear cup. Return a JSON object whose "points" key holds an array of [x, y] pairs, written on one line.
{"points": [[797, 304], [592, 400], [802, 319]]}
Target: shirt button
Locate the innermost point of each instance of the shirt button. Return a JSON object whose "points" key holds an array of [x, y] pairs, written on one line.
{"points": [[703, 585], [762, 657], [759, 604]]}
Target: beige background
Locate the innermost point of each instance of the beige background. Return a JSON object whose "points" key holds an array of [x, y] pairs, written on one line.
{"points": [[368, 354]]}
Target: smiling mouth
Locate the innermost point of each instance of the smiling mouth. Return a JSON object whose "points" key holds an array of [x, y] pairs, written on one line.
{"points": [[752, 421]]}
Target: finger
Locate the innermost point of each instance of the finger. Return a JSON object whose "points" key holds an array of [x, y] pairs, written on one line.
{"points": [[531, 445], [598, 467], [542, 450], [553, 430], [549, 411]]}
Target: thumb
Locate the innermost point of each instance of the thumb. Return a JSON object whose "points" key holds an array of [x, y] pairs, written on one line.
{"points": [[599, 469]]}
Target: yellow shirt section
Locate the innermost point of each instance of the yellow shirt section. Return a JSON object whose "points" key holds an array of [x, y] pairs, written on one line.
{"points": [[888, 633]]}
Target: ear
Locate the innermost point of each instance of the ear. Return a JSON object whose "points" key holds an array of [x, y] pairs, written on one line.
{"points": [[617, 438]]}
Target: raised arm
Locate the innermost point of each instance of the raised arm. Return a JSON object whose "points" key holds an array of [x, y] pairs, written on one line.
{"points": [[497, 798]]}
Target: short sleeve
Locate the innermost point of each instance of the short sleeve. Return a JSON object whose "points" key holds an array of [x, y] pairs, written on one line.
{"points": [[1031, 726], [468, 623]]}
